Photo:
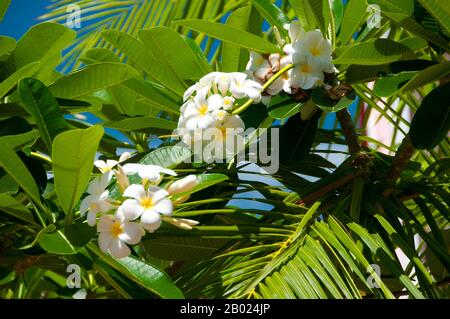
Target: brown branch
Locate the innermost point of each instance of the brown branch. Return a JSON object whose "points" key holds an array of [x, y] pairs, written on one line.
{"points": [[348, 128], [401, 160]]}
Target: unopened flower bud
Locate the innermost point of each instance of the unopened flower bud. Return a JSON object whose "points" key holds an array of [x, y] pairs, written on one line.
{"points": [[183, 185]]}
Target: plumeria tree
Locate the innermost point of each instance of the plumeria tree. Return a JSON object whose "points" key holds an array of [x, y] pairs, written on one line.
{"points": [[155, 200]]}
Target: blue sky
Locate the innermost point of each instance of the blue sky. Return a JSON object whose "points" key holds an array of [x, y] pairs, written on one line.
{"points": [[21, 15]]}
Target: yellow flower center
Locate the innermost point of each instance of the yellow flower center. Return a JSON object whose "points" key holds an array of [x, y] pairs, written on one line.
{"points": [[93, 206], [147, 202], [305, 68], [203, 109], [116, 229], [315, 52]]}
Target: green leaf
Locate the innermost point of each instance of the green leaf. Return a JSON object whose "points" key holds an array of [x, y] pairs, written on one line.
{"points": [[230, 34], [182, 247], [440, 10], [430, 74], [142, 273], [274, 15], [321, 13], [375, 51], [354, 16], [19, 141], [14, 166], [168, 157], [7, 45], [321, 99], [44, 108], [153, 95], [3, 8], [91, 79], [170, 49], [304, 13], [140, 55], [282, 107], [73, 159], [56, 243], [388, 85], [141, 123], [431, 122], [41, 43], [401, 12], [80, 233], [14, 208], [28, 70], [296, 139], [233, 57]]}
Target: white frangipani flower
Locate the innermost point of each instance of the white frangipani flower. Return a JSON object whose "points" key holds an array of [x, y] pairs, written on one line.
{"points": [[116, 232], [243, 87], [151, 173], [305, 74], [296, 34], [147, 204], [108, 165], [97, 201], [183, 185], [228, 103], [315, 48], [198, 113]]}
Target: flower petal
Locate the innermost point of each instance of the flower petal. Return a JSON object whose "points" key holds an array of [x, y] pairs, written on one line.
{"points": [[104, 241], [131, 210], [131, 169], [119, 249], [92, 218], [132, 233], [164, 207], [105, 223], [151, 220], [135, 191]]}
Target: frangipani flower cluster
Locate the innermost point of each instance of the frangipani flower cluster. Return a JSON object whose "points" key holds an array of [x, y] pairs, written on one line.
{"points": [[123, 219], [309, 52], [208, 105]]}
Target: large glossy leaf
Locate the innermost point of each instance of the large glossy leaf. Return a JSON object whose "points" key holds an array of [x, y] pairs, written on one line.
{"points": [[14, 208], [274, 15], [9, 83], [354, 17], [282, 107], [143, 274], [230, 34], [233, 57], [56, 243], [73, 159], [172, 52], [91, 79], [431, 123], [388, 85], [169, 157], [41, 43], [44, 108], [375, 51], [430, 74], [140, 55], [141, 123], [296, 139], [14, 166], [7, 45], [321, 13]]}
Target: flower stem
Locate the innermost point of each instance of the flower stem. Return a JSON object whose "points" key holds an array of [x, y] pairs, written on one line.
{"points": [[265, 86]]}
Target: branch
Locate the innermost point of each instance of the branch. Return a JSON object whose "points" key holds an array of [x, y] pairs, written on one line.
{"points": [[401, 160], [351, 137]]}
